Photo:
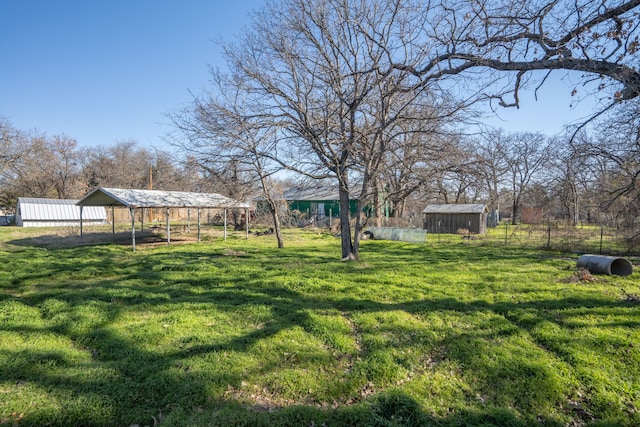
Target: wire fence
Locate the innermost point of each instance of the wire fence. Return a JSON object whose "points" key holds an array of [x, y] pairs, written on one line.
{"points": [[554, 237]]}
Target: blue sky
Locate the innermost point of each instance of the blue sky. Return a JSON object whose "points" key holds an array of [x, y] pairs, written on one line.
{"points": [[107, 71], [103, 71]]}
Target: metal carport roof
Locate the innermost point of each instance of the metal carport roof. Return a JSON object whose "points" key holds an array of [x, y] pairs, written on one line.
{"points": [[144, 199], [158, 199]]}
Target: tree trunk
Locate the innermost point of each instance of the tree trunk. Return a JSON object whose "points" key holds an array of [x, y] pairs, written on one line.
{"points": [[576, 204], [345, 223], [276, 224], [357, 232], [377, 213], [398, 207], [273, 204]]}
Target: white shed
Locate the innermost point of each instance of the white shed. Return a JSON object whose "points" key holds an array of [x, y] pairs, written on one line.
{"points": [[35, 212]]}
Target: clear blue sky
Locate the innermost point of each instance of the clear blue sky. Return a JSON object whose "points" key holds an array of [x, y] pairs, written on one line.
{"points": [[103, 71], [108, 70]]}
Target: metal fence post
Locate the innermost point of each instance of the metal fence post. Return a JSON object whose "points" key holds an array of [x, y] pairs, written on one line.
{"points": [[506, 232], [601, 236]]}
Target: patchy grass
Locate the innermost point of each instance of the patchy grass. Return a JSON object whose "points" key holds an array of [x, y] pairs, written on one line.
{"points": [[240, 333]]}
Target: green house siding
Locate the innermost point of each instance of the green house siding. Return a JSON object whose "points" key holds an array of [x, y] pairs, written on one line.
{"points": [[321, 207]]}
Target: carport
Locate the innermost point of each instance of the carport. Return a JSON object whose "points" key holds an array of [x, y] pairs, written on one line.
{"points": [[154, 199]]}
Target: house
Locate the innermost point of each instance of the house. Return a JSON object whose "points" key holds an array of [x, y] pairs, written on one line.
{"points": [[35, 212], [450, 218], [317, 203]]}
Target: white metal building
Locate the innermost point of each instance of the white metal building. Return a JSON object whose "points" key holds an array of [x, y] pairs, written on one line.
{"points": [[35, 212]]}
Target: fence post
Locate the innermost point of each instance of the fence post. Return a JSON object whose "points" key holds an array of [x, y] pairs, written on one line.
{"points": [[601, 235], [506, 232]]}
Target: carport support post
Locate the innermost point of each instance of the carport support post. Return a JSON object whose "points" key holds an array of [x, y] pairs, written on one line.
{"points": [[113, 221], [133, 228], [168, 228], [198, 224], [81, 220], [142, 224], [225, 224]]}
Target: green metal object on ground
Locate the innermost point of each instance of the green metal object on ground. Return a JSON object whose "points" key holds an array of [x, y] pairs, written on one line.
{"points": [[413, 235]]}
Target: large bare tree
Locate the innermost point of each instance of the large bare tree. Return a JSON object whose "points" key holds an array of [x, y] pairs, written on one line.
{"points": [[336, 77], [126, 165], [322, 73], [37, 165], [490, 154], [217, 134], [424, 145], [614, 158], [526, 158], [11, 143], [596, 39]]}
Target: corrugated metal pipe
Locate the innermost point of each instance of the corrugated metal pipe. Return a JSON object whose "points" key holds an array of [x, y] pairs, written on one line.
{"points": [[413, 235], [601, 264]]}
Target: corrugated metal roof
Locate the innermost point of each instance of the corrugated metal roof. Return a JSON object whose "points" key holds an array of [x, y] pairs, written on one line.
{"points": [[36, 209], [455, 208], [313, 193], [158, 199]]}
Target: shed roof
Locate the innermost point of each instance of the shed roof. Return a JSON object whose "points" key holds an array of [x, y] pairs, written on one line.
{"points": [[455, 208], [314, 193], [35, 209], [311, 193], [157, 199]]}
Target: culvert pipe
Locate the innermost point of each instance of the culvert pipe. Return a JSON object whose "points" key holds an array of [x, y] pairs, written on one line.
{"points": [[602, 264]]}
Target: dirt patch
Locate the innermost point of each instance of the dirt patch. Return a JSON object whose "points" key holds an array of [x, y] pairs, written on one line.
{"points": [[66, 238]]}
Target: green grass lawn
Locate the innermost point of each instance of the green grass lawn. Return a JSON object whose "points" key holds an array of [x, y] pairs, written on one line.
{"points": [[241, 333]]}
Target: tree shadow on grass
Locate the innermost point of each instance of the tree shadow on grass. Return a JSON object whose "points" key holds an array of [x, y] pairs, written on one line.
{"points": [[388, 408], [71, 238], [124, 380]]}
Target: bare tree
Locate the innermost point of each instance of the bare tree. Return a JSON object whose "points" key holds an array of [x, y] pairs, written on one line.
{"points": [[125, 165], [598, 39], [40, 166], [11, 141], [12, 146], [65, 168], [571, 175], [526, 157], [614, 158], [491, 164], [216, 134], [322, 72], [423, 146], [523, 42]]}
